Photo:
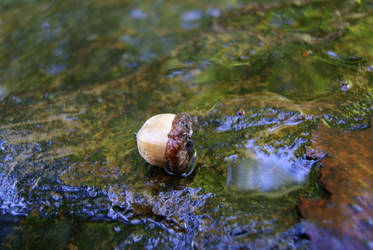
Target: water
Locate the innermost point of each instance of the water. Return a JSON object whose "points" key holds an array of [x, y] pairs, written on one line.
{"points": [[79, 79]]}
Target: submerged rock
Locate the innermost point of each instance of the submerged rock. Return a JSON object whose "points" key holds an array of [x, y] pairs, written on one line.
{"points": [[347, 175]]}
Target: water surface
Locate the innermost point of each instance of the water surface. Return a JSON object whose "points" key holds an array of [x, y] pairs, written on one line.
{"points": [[79, 79]]}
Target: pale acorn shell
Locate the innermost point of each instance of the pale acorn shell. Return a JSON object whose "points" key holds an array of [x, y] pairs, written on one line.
{"points": [[152, 139]]}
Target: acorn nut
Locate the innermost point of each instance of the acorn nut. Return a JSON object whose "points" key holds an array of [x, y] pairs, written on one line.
{"points": [[165, 141]]}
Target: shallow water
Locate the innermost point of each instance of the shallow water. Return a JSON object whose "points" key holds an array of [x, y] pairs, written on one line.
{"points": [[79, 79]]}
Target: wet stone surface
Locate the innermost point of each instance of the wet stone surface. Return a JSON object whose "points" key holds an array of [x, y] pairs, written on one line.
{"points": [[347, 176], [258, 80]]}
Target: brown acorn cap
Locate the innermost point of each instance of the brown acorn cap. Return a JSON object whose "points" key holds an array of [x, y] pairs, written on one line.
{"points": [[180, 148]]}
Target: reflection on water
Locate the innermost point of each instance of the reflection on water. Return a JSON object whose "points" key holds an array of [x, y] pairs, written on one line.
{"points": [[11, 200], [267, 172], [190, 19], [3, 92], [138, 14], [257, 78]]}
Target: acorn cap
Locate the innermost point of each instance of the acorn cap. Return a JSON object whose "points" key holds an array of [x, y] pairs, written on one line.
{"points": [[165, 141]]}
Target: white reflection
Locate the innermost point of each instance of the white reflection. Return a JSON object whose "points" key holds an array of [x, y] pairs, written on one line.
{"points": [[191, 18], [192, 15], [267, 172], [138, 14], [10, 200]]}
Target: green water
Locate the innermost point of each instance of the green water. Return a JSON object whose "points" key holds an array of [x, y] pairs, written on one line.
{"points": [[79, 78]]}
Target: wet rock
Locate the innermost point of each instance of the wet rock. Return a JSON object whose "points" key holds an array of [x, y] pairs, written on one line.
{"points": [[347, 176]]}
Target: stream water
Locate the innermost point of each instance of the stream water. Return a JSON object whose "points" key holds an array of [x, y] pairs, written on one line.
{"points": [[79, 78]]}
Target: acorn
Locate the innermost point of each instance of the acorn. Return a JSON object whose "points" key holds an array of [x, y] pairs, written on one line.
{"points": [[165, 141]]}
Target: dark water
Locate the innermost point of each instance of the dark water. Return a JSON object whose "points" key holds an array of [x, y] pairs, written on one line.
{"points": [[78, 79]]}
